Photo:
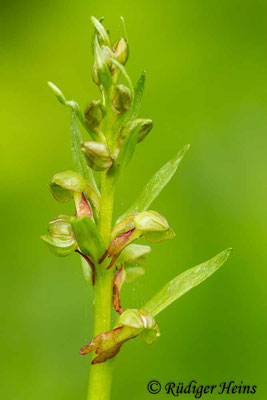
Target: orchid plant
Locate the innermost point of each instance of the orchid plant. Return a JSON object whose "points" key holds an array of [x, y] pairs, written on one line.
{"points": [[110, 257]]}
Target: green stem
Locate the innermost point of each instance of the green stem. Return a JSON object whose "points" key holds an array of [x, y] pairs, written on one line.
{"points": [[101, 374]]}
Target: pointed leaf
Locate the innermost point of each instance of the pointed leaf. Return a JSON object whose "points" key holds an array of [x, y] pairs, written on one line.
{"points": [[184, 282], [80, 164], [59, 95], [138, 95], [155, 185], [88, 238], [124, 28], [126, 151], [124, 73], [101, 31], [76, 108], [87, 271]]}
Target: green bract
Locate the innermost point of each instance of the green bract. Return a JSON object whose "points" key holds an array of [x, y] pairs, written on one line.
{"points": [[101, 67], [89, 240], [156, 184], [103, 141], [184, 282], [103, 35]]}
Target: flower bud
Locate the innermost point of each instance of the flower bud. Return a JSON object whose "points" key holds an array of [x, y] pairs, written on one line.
{"points": [[101, 67], [144, 128], [60, 227], [59, 95], [108, 56], [121, 51], [121, 98], [139, 319], [133, 253], [150, 221], [130, 324], [133, 258], [160, 236], [94, 114], [64, 184], [142, 321], [97, 155], [95, 77], [60, 239], [82, 206], [118, 244], [123, 226], [133, 273]]}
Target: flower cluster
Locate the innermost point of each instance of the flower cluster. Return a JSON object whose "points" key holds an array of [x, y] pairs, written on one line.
{"points": [[115, 129]]}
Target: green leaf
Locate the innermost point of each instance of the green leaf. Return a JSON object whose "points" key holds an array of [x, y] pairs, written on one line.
{"points": [[76, 108], [123, 71], [80, 164], [126, 151], [88, 238], [184, 282], [155, 185], [124, 28], [59, 95], [138, 95], [87, 270]]}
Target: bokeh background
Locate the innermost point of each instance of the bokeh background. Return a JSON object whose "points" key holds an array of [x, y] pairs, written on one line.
{"points": [[206, 63]]}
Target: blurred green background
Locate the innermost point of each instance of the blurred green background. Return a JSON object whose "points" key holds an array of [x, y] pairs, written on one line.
{"points": [[206, 63]]}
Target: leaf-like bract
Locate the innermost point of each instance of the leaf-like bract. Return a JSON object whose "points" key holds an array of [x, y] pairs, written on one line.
{"points": [[101, 31], [80, 164], [138, 95], [155, 185], [123, 71], [184, 282], [126, 151], [88, 238]]}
